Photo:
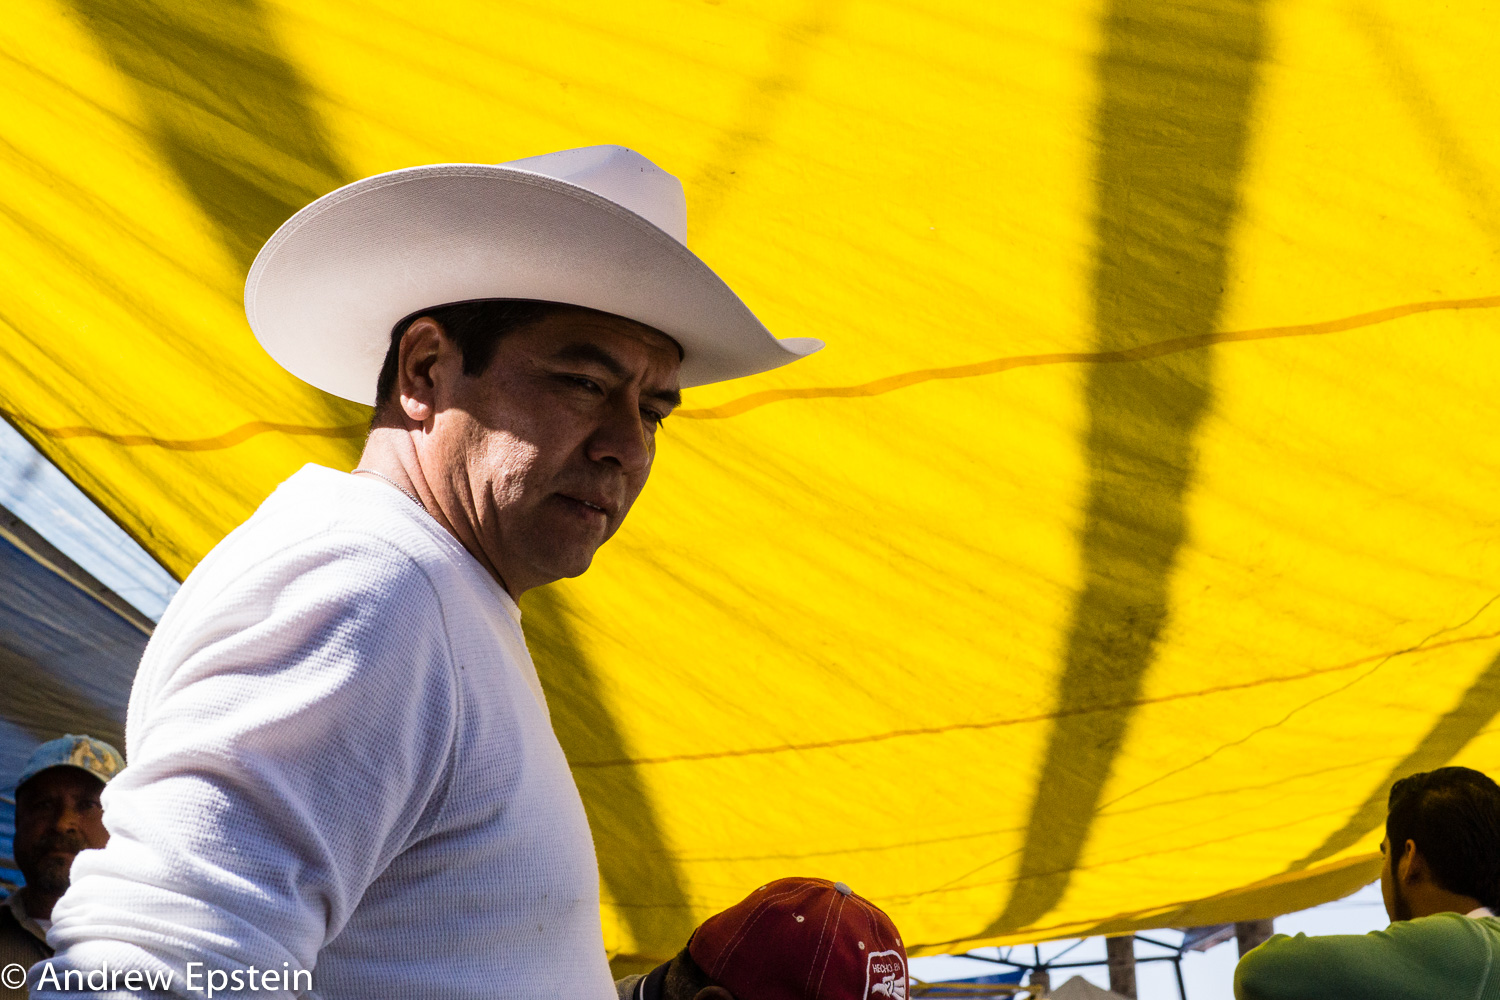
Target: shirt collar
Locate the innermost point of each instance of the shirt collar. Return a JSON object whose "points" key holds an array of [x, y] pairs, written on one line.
{"points": [[17, 903], [651, 986]]}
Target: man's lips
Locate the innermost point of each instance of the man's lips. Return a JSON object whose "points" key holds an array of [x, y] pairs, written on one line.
{"points": [[598, 505]]}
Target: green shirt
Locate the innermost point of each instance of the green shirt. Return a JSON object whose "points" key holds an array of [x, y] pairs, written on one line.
{"points": [[1447, 956]]}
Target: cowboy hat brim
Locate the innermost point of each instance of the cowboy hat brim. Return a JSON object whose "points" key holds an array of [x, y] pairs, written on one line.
{"points": [[326, 289]]}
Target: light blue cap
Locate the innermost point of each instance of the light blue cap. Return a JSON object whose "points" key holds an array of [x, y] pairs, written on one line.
{"points": [[83, 752]]}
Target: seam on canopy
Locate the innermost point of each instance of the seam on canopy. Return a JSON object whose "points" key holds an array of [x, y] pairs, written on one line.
{"points": [[1020, 720], [229, 439], [1161, 348], [1169, 909], [959, 885], [890, 383], [1018, 827]]}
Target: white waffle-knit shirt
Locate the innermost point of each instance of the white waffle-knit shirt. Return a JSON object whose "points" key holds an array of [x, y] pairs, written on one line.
{"points": [[340, 760]]}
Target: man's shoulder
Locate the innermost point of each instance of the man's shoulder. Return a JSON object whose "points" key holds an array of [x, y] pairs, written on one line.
{"points": [[1444, 926], [1453, 945], [17, 944], [1424, 957], [316, 501], [329, 558], [320, 516]]}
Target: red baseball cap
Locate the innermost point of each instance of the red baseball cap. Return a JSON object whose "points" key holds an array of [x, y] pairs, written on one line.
{"points": [[803, 939]]}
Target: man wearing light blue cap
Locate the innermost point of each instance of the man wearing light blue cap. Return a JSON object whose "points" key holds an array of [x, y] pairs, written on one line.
{"points": [[57, 815]]}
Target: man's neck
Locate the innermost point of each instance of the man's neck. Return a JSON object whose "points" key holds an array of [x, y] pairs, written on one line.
{"points": [[1430, 900], [391, 456], [38, 906]]}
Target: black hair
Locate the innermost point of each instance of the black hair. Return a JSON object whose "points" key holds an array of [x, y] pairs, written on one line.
{"points": [[685, 978], [475, 326], [1453, 816]]}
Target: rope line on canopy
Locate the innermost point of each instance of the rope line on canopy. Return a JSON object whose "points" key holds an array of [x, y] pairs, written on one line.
{"points": [[890, 383], [1022, 720], [1160, 348]]}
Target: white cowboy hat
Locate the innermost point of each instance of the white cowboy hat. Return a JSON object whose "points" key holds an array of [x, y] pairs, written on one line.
{"points": [[601, 227]]}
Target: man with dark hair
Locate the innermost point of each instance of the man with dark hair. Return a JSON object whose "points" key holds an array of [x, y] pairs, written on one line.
{"points": [[343, 777], [58, 815], [1441, 883], [792, 939], [681, 978], [474, 328]]}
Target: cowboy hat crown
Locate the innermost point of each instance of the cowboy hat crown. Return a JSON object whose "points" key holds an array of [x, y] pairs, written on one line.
{"points": [[600, 227]]}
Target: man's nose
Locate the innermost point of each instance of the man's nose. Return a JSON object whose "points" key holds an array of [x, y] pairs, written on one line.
{"points": [[69, 819], [622, 436]]}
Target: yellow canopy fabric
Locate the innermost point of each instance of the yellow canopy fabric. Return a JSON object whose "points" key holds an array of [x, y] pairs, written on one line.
{"points": [[1136, 530]]}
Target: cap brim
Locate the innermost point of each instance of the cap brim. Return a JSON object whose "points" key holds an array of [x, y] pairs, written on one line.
{"points": [[32, 772], [326, 289]]}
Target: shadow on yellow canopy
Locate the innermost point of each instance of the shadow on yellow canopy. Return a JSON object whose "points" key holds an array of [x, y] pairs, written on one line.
{"points": [[1137, 529]]}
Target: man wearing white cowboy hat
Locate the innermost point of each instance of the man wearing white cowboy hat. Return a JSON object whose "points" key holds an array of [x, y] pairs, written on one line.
{"points": [[343, 778]]}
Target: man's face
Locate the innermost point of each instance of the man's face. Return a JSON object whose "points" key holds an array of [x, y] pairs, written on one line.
{"points": [[57, 815], [549, 447]]}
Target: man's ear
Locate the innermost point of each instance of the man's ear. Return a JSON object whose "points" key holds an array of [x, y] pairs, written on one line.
{"points": [[713, 993], [1411, 867], [421, 346]]}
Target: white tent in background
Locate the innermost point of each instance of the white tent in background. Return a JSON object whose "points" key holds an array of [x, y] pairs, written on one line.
{"points": [[1079, 988]]}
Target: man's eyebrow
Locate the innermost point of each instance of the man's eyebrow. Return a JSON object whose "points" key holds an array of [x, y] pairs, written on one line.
{"points": [[582, 351], [671, 397]]}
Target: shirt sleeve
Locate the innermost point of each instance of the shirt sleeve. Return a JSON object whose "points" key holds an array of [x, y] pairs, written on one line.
{"points": [[289, 735], [1439, 956]]}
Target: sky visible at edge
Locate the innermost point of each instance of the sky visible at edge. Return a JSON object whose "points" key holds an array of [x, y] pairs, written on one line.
{"points": [[35, 491], [1208, 975]]}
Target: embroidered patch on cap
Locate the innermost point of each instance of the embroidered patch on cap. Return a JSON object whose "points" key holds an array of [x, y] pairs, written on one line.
{"points": [[885, 976]]}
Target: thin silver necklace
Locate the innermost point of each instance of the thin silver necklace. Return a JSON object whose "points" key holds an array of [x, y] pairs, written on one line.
{"points": [[406, 492]]}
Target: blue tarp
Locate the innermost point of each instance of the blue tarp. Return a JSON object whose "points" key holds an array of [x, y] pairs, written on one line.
{"points": [[68, 652], [1011, 978]]}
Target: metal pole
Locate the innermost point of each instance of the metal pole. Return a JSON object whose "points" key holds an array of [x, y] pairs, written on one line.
{"points": [[1121, 952], [1177, 968], [1251, 933]]}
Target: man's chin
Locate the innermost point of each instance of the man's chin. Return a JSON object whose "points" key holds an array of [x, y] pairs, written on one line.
{"points": [[557, 552], [51, 875], [575, 567], [554, 564]]}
